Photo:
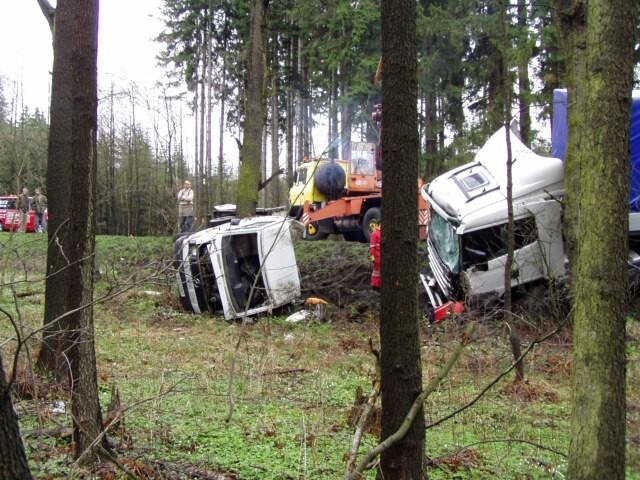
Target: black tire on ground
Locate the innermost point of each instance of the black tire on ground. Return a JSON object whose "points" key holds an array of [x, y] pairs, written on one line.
{"points": [[372, 217], [313, 232]]}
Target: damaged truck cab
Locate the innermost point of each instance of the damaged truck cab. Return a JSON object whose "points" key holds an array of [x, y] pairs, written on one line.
{"points": [[467, 240], [241, 268]]}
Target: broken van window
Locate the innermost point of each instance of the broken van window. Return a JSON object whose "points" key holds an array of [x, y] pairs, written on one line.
{"points": [[489, 243], [241, 260]]}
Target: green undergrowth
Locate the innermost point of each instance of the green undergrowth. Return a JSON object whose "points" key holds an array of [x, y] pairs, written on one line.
{"points": [[275, 400]]}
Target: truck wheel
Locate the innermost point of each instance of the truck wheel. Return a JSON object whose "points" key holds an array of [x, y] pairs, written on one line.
{"points": [[313, 232], [371, 220]]}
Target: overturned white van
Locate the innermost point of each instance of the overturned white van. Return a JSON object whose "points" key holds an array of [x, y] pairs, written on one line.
{"points": [[241, 268]]}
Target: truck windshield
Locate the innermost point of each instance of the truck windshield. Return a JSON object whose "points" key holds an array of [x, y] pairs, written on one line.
{"points": [[445, 240]]}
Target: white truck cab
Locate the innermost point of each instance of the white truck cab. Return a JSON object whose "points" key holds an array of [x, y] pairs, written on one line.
{"points": [[467, 240], [241, 268]]}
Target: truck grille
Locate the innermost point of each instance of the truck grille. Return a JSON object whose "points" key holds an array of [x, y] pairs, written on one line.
{"points": [[440, 270]]}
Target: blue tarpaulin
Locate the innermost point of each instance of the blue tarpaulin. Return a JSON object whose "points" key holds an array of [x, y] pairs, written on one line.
{"points": [[560, 138]]}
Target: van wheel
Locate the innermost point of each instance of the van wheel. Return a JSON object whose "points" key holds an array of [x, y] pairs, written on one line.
{"points": [[313, 232], [371, 220]]}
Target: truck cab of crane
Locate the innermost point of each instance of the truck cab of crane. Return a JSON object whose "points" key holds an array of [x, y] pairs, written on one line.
{"points": [[360, 178], [305, 189]]}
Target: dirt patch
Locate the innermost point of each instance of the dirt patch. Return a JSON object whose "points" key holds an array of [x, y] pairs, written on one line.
{"points": [[530, 392], [461, 460], [338, 272]]}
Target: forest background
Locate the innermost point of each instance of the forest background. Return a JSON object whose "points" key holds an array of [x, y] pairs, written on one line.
{"points": [[321, 59]]}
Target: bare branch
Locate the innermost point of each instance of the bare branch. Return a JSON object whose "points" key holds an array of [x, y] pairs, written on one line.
{"points": [[364, 415], [415, 407], [494, 381], [49, 13]]}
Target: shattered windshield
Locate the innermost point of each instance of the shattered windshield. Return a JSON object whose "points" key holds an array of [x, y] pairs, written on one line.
{"points": [[444, 238]]}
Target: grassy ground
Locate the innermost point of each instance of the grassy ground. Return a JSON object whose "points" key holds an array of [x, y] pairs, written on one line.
{"points": [[209, 399]]}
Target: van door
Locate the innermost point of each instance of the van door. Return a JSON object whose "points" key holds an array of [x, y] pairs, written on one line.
{"points": [[279, 267]]}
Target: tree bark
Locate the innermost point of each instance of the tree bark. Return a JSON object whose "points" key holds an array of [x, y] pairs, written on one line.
{"points": [[249, 178], [49, 13], [299, 101], [275, 151], [50, 358], [573, 21], [87, 418], [13, 460], [291, 109], [524, 87], [223, 89], [597, 448], [401, 370]]}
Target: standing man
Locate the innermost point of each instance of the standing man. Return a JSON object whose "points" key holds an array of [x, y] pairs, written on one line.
{"points": [[185, 207], [40, 205], [23, 208]]}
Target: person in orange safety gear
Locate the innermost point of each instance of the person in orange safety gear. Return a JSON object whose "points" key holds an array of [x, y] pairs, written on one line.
{"points": [[376, 257]]}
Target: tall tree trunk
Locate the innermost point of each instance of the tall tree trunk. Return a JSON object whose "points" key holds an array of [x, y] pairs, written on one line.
{"points": [[263, 165], [505, 103], [597, 448], [197, 126], [249, 178], [200, 193], [221, 132], [170, 133], [573, 23], [431, 134], [307, 115], [333, 116], [346, 110], [59, 157], [13, 460], [132, 165], [401, 371], [209, 193], [291, 109], [524, 87], [87, 417], [275, 153], [111, 176], [299, 104]]}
